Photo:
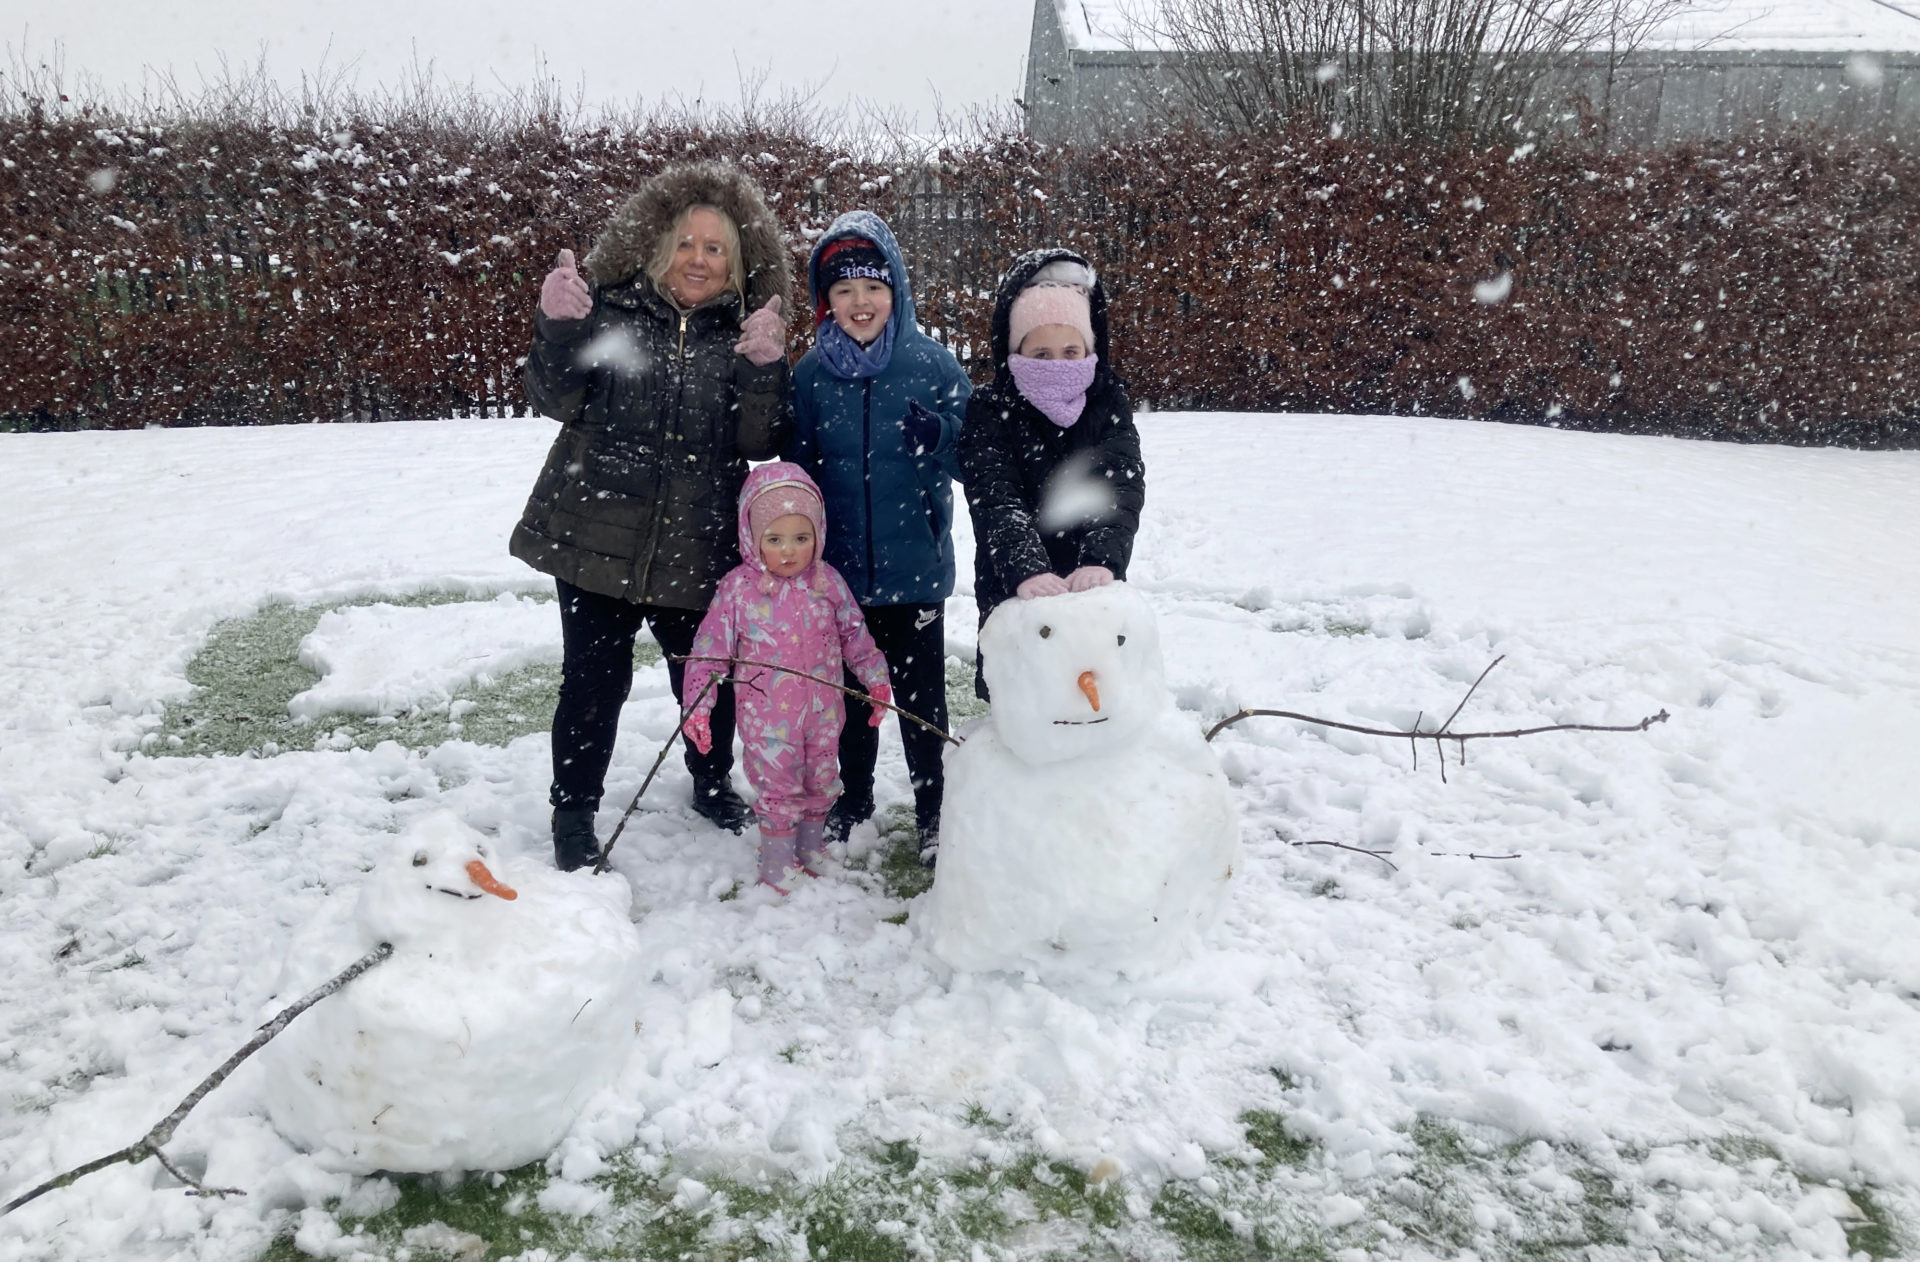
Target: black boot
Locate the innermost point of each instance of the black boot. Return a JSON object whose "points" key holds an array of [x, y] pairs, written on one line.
{"points": [[928, 837], [846, 811], [574, 845], [926, 828], [715, 799]]}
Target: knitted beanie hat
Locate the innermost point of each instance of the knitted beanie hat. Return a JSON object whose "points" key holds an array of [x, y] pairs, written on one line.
{"points": [[849, 258], [778, 500], [1046, 303]]}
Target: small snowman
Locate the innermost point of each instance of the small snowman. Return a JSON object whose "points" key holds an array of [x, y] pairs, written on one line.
{"points": [[1088, 830], [509, 1000]]}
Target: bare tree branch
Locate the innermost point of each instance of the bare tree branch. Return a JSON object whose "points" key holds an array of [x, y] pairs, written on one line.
{"points": [[600, 865], [856, 695], [149, 1145], [1444, 732]]}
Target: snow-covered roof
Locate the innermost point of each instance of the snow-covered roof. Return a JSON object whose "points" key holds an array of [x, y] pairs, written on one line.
{"points": [[1718, 25]]}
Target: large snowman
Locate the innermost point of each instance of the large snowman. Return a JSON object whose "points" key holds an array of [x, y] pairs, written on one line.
{"points": [[510, 998], [1088, 830]]}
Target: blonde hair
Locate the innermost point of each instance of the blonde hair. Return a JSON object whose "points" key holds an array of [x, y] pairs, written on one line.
{"points": [[662, 257]]}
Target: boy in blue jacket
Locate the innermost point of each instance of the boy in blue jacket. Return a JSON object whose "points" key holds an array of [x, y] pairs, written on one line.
{"points": [[877, 408]]}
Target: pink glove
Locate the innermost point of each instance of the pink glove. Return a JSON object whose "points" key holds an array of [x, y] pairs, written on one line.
{"points": [[1041, 585], [699, 730], [763, 335], [1088, 577], [564, 294], [883, 693]]}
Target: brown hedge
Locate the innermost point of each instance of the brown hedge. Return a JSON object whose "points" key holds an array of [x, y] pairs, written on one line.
{"points": [[241, 273]]}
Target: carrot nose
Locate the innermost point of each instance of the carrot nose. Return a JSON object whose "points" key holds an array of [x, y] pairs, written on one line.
{"points": [[1091, 689], [486, 881]]}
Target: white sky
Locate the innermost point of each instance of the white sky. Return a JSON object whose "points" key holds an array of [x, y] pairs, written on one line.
{"points": [[901, 56]]}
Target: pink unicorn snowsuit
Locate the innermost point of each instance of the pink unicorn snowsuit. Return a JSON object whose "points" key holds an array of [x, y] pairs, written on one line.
{"points": [[789, 726]]}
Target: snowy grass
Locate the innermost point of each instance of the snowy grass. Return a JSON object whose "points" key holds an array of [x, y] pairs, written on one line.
{"points": [[250, 669], [1467, 1192], [1679, 1024]]}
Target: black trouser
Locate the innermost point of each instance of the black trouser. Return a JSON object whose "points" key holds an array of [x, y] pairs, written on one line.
{"points": [[914, 640], [596, 673]]}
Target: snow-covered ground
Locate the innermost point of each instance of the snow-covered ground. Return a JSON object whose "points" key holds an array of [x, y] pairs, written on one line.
{"points": [[1705, 933]]}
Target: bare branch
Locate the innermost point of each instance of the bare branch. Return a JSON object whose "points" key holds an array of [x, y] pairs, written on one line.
{"points": [[856, 695], [1443, 733], [149, 1144], [600, 865], [1641, 726]]}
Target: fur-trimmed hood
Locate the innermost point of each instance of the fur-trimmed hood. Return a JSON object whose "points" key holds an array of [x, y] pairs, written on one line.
{"points": [[624, 245]]}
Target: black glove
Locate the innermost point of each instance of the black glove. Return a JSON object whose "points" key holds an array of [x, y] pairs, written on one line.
{"points": [[922, 429]]}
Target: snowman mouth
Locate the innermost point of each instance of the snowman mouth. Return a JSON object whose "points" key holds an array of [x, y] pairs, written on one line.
{"points": [[455, 893], [1077, 722]]}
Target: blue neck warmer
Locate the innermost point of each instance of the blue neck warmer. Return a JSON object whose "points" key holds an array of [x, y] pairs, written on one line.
{"points": [[850, 361]]}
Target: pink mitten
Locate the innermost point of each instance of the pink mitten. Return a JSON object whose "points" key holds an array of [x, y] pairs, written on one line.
{"points": [[564, 294], [1041, 585], [1088, 577], [699, 730], [763, 335], [883, 693]]}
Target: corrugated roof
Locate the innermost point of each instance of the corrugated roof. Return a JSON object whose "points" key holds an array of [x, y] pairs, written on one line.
{"points": [[1720, 25]]}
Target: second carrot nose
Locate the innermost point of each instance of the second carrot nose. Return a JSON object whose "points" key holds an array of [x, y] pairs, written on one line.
{"points": [[1091, 689]]}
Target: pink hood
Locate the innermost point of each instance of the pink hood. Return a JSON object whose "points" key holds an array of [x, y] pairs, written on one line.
{"points": [[772, 477]]}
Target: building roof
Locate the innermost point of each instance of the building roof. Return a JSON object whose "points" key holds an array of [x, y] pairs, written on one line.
{"points": [[1709, 25]]}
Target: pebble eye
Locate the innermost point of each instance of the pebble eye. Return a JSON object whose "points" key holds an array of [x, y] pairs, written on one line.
{"points": [[1119, 639], [1045, 632], [420, 859]]}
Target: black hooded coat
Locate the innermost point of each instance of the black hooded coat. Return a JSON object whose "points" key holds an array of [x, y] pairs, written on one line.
{"points": [[1012, 457], [659, 415]]}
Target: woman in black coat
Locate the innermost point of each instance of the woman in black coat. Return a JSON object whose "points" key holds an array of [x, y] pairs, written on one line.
{"points": [[666, 367], [1049, 454]]}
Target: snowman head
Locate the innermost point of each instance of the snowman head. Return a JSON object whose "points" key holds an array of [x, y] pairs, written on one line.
{"points": [[1073, 675], [436, 881]]}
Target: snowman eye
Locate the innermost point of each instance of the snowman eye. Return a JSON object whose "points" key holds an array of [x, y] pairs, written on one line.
{"points": [[1045, 632], [1119, 639], [420, 859]]}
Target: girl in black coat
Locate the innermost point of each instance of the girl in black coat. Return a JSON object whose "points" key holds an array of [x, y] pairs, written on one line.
{"points": [[1049, 454]]}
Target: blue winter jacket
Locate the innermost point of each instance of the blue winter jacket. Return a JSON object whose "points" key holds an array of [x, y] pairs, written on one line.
{"points": [[889, 513]]}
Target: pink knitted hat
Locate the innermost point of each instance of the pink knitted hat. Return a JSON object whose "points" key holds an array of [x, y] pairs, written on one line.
{"points": [[1043, 304], [778, 500]]}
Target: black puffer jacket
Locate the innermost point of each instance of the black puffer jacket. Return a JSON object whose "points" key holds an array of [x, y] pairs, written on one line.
{"points": [[659, 415], [1010, 452]]}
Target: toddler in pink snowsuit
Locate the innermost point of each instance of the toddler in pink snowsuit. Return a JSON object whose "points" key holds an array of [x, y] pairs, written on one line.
{"points": [[785, 606]]}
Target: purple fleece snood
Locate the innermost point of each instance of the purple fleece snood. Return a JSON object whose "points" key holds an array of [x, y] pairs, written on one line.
{"points": [[1058, 387]]}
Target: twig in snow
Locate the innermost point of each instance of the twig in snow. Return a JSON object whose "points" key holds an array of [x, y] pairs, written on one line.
{"points": [[606, 851], [1341, 845], [149, 1145], [601, 865], [1442, 733], [856, 695], [1382, 854]]}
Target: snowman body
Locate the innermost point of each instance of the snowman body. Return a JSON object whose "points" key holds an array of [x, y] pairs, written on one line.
{"points": [[1088, 831], [477, 1044]]}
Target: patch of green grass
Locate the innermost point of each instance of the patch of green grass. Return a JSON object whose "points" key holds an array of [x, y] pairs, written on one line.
{"points": [[1876, 1234], [249, 669], [898, 860], [962, 704], [1202, 1232], [1267, 1131], [975, 1114], [501, 1209]]}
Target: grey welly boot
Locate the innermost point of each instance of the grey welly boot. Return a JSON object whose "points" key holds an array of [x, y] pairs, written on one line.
{"points": [[810, 845], [776, 857]]}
